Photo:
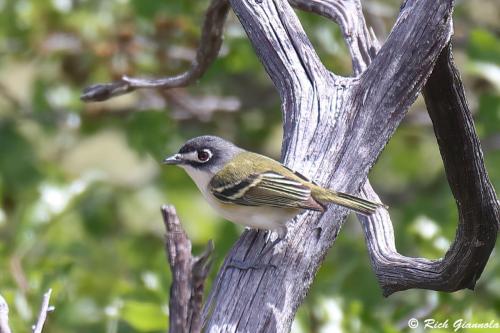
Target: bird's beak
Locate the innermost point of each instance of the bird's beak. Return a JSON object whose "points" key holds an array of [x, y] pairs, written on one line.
{"points": [[173, 160]]}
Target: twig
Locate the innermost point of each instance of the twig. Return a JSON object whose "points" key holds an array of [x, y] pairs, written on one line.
{"points": [[44, 310], [189, 274], [4, 316], [210, 43]]}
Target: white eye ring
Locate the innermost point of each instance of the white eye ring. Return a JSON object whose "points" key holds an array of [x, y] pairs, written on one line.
{"points": [[204, 155]]}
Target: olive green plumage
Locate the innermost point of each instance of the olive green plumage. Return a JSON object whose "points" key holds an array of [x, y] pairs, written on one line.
{"points": [[256, 180]]}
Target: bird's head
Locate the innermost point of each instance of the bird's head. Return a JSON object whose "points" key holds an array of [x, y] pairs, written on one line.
{"points": [[204, 153]]}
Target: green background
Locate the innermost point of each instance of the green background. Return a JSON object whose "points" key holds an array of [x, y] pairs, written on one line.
{"points": [[81, 184]]}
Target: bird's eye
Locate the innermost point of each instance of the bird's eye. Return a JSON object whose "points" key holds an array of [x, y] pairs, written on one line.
{"points": [[204, 155]]}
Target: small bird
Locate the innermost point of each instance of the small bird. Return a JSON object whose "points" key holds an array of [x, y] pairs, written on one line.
{"points": [[254, 190]]}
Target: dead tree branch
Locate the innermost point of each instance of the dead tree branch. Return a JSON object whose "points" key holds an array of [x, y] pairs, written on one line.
{"points": [[4, 316], [477, 204], [348, 15], [189, 274], [334, 130], [45, 308], [210, 43]]}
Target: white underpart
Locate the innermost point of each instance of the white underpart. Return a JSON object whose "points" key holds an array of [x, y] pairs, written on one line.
{"points": [[268, 218]]}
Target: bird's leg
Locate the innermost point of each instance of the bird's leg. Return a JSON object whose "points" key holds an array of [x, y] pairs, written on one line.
{"points": [[240, 264]]}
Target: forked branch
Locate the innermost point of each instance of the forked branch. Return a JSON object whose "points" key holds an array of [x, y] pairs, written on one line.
{"points": [[348, 15], [45, 309], [468, 179], [334, 130], [188, 276]]}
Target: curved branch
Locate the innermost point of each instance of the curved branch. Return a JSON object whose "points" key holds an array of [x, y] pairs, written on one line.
{"points": [[281, 43], [349, 16], [210, 43], [466, 258], [293, 65], [479, 211], [478, 207]]}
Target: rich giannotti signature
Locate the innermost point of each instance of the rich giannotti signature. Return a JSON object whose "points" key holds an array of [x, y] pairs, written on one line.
{"points": [[455, 325]]}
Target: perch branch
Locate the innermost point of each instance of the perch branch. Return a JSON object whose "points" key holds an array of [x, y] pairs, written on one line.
{"points": [[210, 43], [45, 308], [189, 274], [334, 129], [478, 207], [4, 316]]}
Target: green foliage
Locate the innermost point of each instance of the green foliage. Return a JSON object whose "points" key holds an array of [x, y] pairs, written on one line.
{"points": [[144, 317], [484, 46], [81, 184]]}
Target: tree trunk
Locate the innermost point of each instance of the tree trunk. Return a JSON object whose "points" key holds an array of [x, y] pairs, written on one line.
{"points": [[334, 130]]}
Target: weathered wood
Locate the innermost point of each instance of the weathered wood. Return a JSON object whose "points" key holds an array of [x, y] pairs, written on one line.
{"points": [[348, 15], [468, 178], [45, 309], [188, 276], [334, 130], [477, 204]]}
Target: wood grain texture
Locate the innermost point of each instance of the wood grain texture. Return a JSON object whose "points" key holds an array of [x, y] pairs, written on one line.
{"points": [[335, 128], [476, 200], [188, 276]]}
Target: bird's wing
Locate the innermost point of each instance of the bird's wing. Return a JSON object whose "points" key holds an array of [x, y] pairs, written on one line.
{"points": [[265, 189]]}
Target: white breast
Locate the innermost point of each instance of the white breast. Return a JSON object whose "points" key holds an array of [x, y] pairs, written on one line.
{"points": [[269, 218]]}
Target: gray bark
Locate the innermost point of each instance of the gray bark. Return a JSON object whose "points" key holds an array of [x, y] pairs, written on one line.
{"points": [[476, 200], [335, 128], [188, 276]]}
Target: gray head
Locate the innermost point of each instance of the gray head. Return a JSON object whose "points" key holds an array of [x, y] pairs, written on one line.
{"points": [[209, 153]]}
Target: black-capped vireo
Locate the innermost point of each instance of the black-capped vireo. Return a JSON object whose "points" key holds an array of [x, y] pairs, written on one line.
{"points": [[254, 190]]}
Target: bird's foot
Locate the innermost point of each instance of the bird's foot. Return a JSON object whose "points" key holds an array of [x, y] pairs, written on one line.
{"points": [[242, 265]]}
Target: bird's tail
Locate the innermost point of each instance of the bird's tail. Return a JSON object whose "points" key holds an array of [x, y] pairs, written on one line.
{"points": [[359, 205]]}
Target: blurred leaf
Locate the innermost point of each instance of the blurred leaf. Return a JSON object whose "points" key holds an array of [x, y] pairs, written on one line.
{"points": [[484, 46], [149, 8], [489, 113], [144, 316], [17, 159], [99, 210], [148, 132]]}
